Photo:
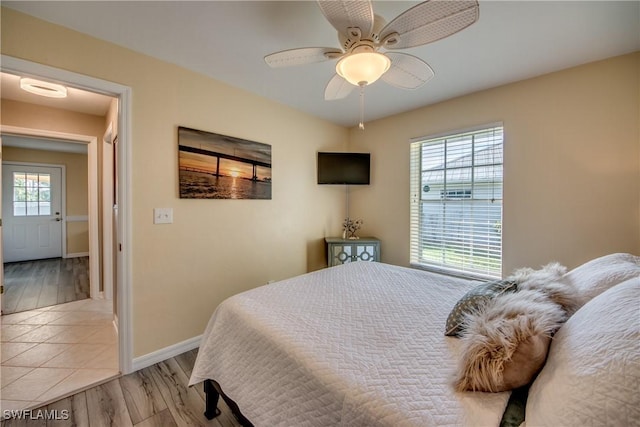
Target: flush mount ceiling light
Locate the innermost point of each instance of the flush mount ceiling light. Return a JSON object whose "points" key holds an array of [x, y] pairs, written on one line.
{"points": [[363, 68], [41, 88]]}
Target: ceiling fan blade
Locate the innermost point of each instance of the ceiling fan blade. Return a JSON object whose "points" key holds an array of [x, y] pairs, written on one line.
{"points": [[429, 21], [337, 88], [302, 56], [407, 71], [349, 14]]}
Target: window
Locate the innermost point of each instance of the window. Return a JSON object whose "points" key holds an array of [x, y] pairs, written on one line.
{"points": [[31, 194], [456, 202]]}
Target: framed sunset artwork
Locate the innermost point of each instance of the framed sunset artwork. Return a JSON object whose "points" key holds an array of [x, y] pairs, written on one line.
{"points": [[214, 166]]}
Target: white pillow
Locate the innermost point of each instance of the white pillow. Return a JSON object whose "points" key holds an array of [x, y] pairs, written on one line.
{"points": [[592, 373], [596, 276]]}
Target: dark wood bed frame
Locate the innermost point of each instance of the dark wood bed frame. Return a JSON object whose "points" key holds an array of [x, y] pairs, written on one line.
{"points": [[213, 391]]}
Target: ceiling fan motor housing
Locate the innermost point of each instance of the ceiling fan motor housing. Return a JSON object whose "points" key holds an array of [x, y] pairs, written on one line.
{"points": [[355, 38]]}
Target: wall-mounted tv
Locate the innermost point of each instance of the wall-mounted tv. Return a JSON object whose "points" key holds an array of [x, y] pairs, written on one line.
{"points": [[344, 168]]}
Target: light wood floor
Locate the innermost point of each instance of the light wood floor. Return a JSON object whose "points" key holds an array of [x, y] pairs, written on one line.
{"points": [[35, 284], [156, 396]]}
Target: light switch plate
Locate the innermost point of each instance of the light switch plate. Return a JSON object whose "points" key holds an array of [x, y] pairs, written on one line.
{"points": [[162, 215]]}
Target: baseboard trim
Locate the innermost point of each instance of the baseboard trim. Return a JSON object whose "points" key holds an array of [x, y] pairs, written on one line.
{"points": [[165, 353], [77, 255]]}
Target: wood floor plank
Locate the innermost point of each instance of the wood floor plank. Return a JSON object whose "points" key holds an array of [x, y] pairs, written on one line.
{"points": [[49, 293], [76, 409], [29, 299], [66, 289], [186, 361], [185, 404], [161, 419], [142, 395], [24, 422], [11, 297], [50, 266], [79, 407], [107, 407]]}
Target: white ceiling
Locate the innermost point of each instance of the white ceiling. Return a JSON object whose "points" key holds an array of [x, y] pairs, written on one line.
{"points": [[227, 40]]}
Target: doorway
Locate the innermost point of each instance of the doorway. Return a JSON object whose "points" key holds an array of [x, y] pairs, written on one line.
{"points": [[45, 251], [122, 237], [37, 271], [68, 205], [68, 344]]}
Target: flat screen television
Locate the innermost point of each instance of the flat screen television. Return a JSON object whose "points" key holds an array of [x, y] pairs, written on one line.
{"points": [[344, 168]]}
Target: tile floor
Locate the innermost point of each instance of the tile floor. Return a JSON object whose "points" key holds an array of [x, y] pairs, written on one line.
{"points": [[51, 352]]}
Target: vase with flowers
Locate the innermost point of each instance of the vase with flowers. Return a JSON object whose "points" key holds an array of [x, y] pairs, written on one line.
{"points": [[349, 228]]}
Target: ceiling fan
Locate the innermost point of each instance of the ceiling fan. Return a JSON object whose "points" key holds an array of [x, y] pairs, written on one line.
{"points": [[365, 37]]}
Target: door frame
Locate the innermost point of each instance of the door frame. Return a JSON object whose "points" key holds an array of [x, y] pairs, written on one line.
{"points": [[123, 278], [92, 159], [63, 201], [107, 211]]}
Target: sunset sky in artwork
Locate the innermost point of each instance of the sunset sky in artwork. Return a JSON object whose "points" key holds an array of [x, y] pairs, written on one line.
{"points": [[252, 151], [207, 164]]}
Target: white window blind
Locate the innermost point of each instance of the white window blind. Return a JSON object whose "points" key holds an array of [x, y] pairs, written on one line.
{"points": [[456, 202]]}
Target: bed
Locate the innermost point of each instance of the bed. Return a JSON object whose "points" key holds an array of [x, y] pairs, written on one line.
{"points": [[356, 344], [360, 344]]}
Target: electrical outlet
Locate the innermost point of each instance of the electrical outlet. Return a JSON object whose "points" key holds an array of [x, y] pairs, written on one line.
{"points": [[162, 215]]}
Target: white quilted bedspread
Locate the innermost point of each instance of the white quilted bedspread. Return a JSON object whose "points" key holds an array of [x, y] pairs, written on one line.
{"points": [[355, 345]]}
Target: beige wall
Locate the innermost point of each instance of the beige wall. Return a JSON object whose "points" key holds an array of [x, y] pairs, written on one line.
{"points": [[214, 248], [22, 114], [76, 180], [571, 166]]}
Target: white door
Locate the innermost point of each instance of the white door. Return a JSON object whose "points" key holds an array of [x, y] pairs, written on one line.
{"points": [[31, 212]]}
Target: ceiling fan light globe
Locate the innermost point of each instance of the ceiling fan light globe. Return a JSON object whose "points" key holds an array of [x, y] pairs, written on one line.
{"points": [[363, 68]]}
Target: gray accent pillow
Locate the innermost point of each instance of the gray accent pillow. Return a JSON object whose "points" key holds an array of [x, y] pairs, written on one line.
{"points": [[472, 300]]}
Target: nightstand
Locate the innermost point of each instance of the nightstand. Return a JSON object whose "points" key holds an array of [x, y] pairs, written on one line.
{"points": [[341, 251]]}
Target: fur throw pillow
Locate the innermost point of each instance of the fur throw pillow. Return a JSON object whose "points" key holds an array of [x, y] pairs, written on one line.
{"points": [[549, 280], [507, 338]]}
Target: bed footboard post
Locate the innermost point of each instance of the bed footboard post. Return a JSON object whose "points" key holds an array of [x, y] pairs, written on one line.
{"points": [[211, 400]]}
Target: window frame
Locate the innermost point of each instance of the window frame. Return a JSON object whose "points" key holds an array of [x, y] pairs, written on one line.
{"points": [[468, 264], [32, 189]]}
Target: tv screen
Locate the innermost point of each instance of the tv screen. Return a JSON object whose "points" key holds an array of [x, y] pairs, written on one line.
{"points": [[344, 168]]}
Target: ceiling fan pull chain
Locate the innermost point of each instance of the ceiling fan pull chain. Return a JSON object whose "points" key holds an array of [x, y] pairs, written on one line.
{"points": [[361, 124]]}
